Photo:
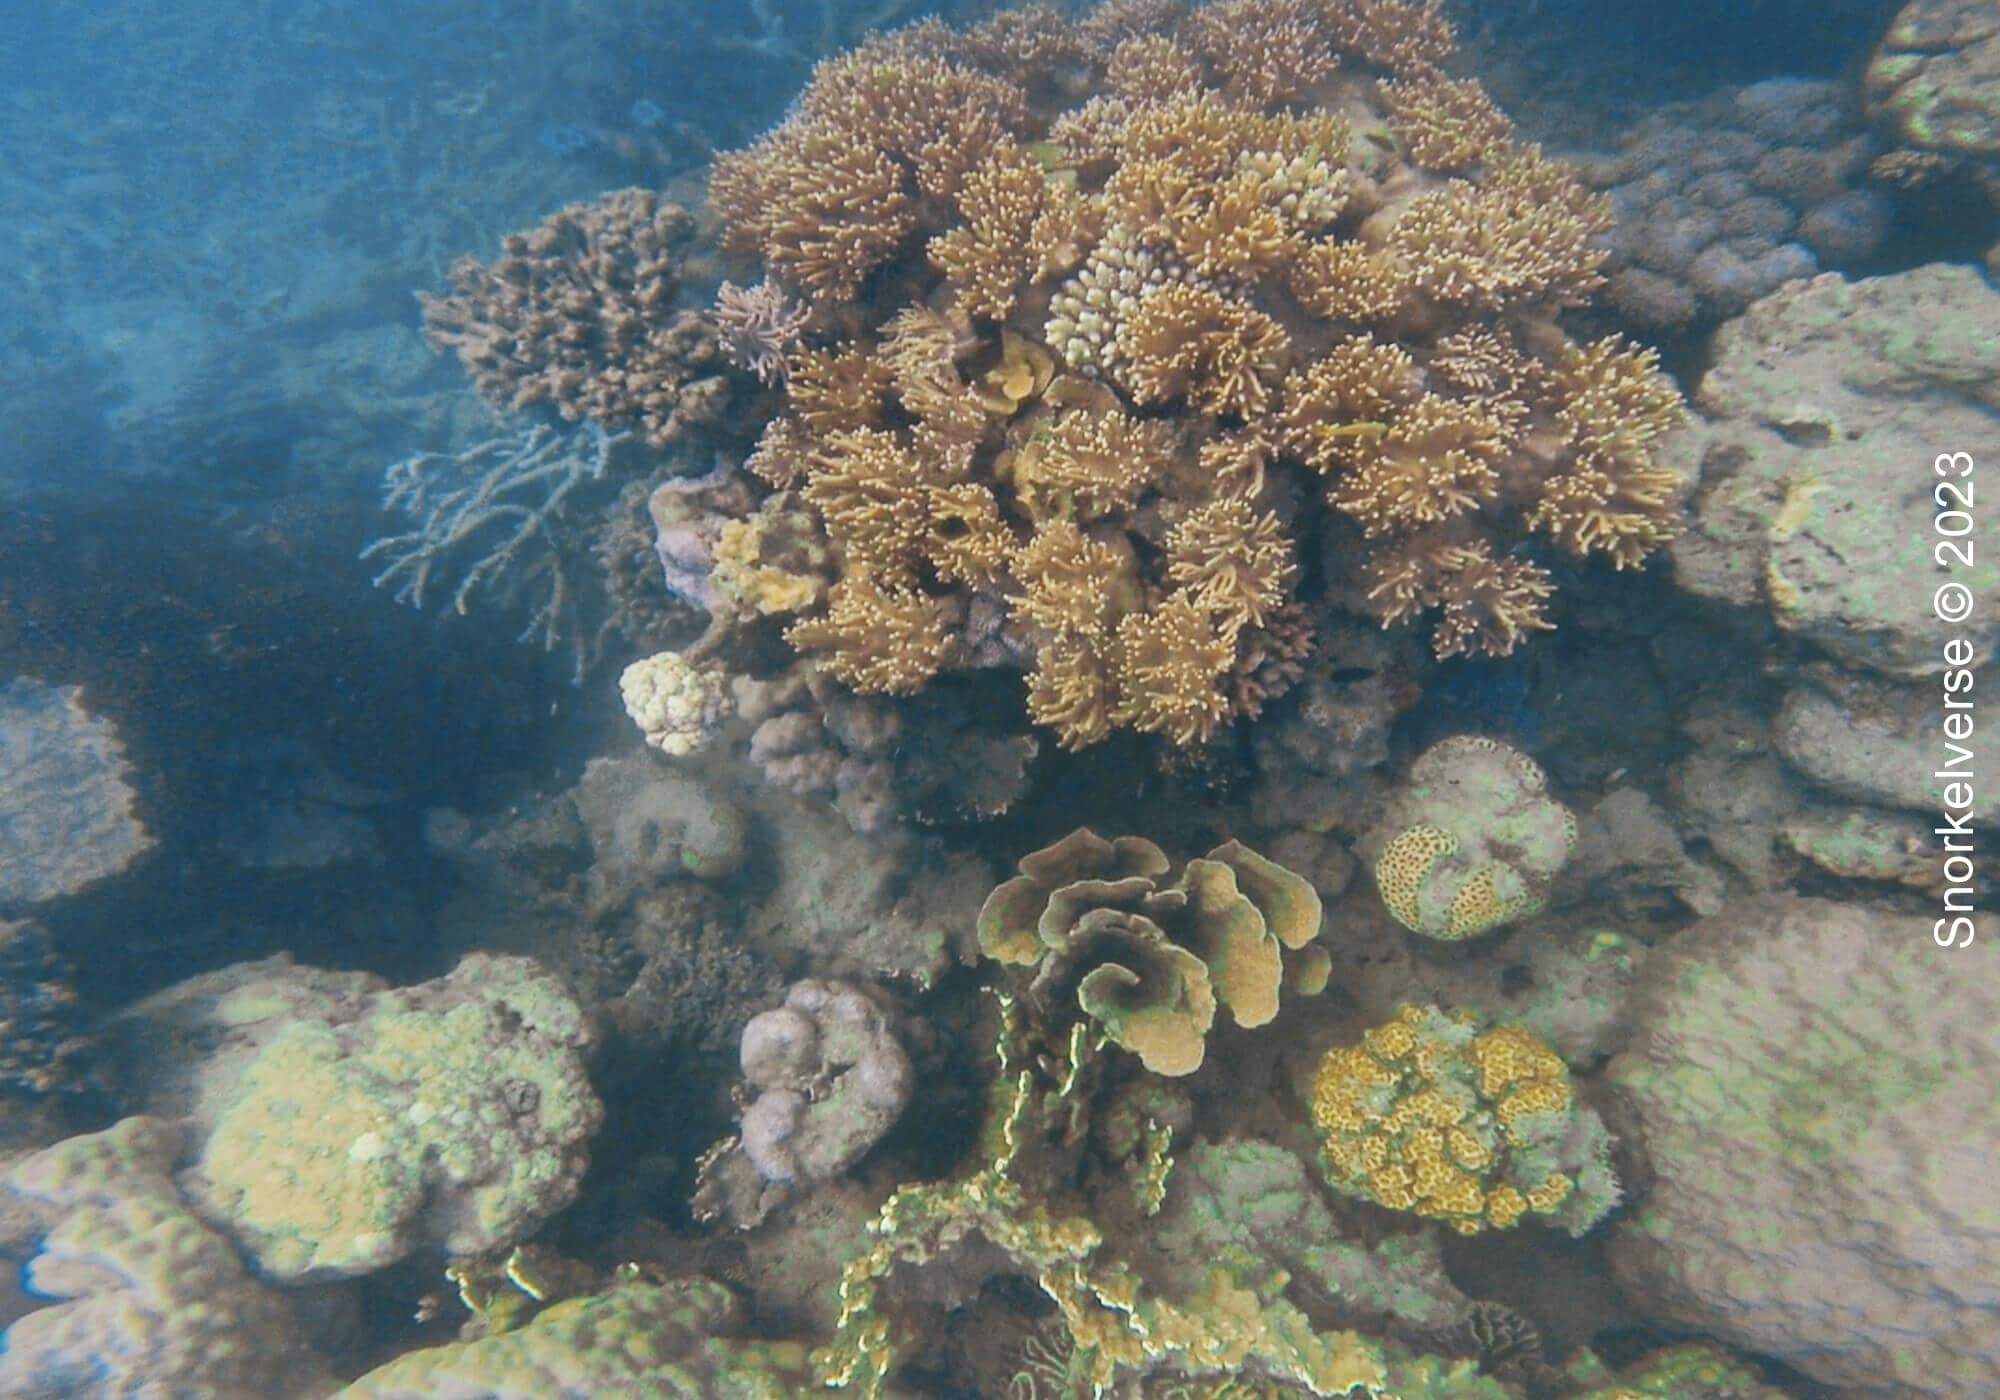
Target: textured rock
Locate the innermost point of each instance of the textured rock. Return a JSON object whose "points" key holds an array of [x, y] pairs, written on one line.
{"points": [[66, 795], [639, 1339], [1876, 741], [1819, 423], [1937, 76], [1814, 1086], [343, 1125]]}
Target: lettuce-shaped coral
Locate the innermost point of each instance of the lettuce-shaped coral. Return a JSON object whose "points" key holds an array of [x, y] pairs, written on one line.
{"points": [[1470, 841], [1432, 1115], [1149, 961]]}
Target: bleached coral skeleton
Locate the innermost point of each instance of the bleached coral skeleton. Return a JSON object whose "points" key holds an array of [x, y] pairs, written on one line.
{"points": [[501, 517]]}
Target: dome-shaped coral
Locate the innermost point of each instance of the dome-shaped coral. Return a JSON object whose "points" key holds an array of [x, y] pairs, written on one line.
{"points": [[1470, 841]]}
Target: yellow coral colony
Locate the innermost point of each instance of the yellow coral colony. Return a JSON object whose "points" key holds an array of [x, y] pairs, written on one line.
{"points": [[1093, 302], [1430, 1116]]}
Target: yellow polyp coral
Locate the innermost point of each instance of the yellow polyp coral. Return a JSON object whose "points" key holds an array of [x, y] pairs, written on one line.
{"points": [[869, 489], [1403, 866], [1086, 464], [1434, 460], [1171, 662], [837, 389], [1429, 1115], [1470, 842], [1184, 341], [876, 638], [1152, 68], [1137, 275], [988, 257], [1232, 559], [1445, 123]]}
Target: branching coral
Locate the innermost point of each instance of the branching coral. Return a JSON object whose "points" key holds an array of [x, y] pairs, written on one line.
{"points": [[1431, 1115], [1092, 304], [578, 314]]}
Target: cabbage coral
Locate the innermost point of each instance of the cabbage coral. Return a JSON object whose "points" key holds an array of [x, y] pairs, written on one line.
{"points": [[1108, 318]]}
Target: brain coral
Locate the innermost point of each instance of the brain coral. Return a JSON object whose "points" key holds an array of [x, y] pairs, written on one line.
{"points": [[1150, 961], [1107, 322], [1470, 841], [1431, 1115], [1815, 1087]]}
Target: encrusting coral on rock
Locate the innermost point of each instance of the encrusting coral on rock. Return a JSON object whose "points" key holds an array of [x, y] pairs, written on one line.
{"points": [[1080, 340], [342, 1125], [1814, 1091], [145, 1298]]}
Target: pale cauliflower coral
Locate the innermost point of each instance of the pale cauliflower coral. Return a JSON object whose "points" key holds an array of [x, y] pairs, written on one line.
{"points": [[676, 704]]}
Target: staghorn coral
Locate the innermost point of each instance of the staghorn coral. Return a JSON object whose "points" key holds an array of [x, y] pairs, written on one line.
{"points": [[1470, 842], [578, 314], [1445, 123], [1092, 303], [1432, 1115], [1148, 961]]}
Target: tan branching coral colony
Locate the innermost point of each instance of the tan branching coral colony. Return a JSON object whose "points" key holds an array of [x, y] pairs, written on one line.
{"points": [[1109, 320]]}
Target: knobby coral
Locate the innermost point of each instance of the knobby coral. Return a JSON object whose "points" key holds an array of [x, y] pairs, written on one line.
{"points": [[1091, 307], [579, 314]]}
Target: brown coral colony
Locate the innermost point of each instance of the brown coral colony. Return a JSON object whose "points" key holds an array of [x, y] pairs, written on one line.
{"points": [[1107, 320]]}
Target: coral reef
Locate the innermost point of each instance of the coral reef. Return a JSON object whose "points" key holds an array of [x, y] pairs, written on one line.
{"points": [[636, 1338], [1936, 75], [647, 828], [1432, 1115], [1470, 841], [578, 315], [145, 1298], [1814, 1091], [1692, 1368], [1722, 201], [825, 1076], [42, 1029], [1147, 961], [67, 815], [1100, 340], [342, 1124], [505, 516], [1120, 1319]]}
